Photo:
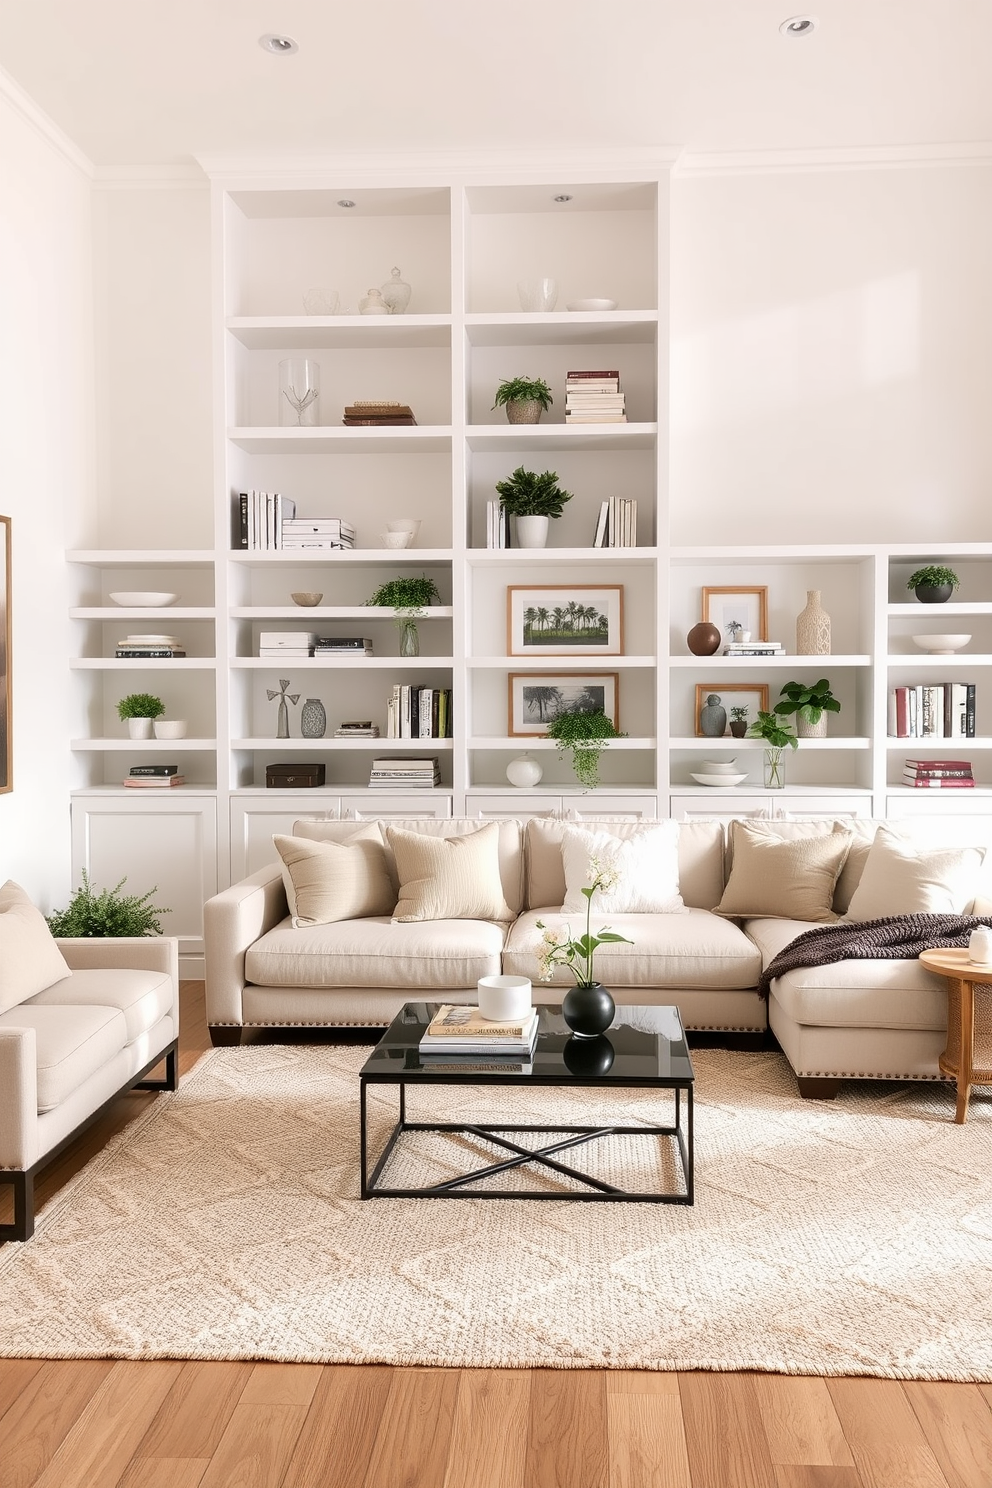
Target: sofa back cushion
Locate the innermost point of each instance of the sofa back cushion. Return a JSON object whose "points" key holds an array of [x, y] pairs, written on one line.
{"points": [[700, 858], [30, 960]]}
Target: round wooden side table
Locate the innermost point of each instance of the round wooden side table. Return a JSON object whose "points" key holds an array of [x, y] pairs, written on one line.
{"points": [[967, 1058]]}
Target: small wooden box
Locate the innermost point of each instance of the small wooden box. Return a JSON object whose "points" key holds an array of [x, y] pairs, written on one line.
{"points": [[307, 774]]}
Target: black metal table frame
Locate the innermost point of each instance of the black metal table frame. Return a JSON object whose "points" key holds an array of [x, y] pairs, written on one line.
{"points": [[454, 1188]]}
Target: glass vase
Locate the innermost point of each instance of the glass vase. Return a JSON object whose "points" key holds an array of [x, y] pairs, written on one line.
{"points": [[774, 768], [299, 392], [409, 639]]}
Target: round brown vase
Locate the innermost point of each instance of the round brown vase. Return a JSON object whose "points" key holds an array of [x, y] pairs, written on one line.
{"points": [[703, 639]]}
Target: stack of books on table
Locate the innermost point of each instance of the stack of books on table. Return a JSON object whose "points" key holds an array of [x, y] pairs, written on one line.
{"points": [[342, 646], [463, 1036], [142, 647], [261, 516], [617, 525], [594, 397], [497, 525], [405, 773], [938, 774], [152, 776], [373, 415], [945, 710], [286, 645], [316, 534], [754, 648], [415, 712], [364, 729]]}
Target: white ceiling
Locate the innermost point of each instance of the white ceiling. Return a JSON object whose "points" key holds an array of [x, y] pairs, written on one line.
{"points": [[151, 82]]}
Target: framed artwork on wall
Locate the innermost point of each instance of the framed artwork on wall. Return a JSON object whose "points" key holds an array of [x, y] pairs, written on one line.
{"points": [[6, 738], [536, 698], [734, 608], [564, 620], [717, 703]]}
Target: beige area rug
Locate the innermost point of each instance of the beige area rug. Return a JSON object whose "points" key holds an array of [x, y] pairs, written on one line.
{"points": [[225, 1223]]}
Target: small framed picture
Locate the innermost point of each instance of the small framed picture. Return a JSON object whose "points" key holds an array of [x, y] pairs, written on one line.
{"points": [[537, 698], [724, 708], [739, 613], [564, 620]]}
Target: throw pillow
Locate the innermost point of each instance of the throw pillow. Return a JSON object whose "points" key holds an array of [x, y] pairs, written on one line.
{"points": [[30, 960], [900, 878], [331, 881], [646, 864], [791, 880], [448, 878]]}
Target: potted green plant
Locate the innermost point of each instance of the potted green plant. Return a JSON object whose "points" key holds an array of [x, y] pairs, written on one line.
{"points": [[524, 398], [738, 722], [583, 736], [933, 584], [533, 500], [777, 736], [137, 710], [408, 597], [810, 703], [109, 912]]}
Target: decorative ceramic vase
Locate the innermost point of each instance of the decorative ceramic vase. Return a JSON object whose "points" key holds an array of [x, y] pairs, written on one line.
{"points": [[524, 411], [807, 730], [713, 717], [703, 639], [139, 728], [396, 293], [537, 295], [313, 719], [813, 627], [774, 768], [299, 392], [588, 1011], [933, 593], [524, 772], [588, 1056], [980, 945], [409, 639], [532, 532], [373, 304]]}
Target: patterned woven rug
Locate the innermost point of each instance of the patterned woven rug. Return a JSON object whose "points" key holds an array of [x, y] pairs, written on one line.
{"points": [[225, 1223]]}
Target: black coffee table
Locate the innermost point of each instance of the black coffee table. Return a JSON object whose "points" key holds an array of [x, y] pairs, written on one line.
{"points": [[644, 1050]]}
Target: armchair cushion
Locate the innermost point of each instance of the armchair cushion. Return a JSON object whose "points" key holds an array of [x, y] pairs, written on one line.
{"points": [[30, 960], [144, 997], [73, 1043]]}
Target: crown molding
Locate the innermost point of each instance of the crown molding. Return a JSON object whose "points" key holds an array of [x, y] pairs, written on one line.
{"points": [[857, 157], [471, 166], [24, 106], [164, 177]]}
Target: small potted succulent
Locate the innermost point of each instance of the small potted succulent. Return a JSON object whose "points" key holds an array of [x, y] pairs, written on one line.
{"points": [[738, 722], [777, 736], [524, 398], [810, 704], [408, 597], [533, 500], [933, 584], [138, 710]]}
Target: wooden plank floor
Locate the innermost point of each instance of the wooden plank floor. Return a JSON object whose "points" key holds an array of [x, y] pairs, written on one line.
{"points": [[165, 1424]]}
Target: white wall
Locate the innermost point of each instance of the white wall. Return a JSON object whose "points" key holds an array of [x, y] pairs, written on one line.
{"points": [[832, 355], [46, 423]]}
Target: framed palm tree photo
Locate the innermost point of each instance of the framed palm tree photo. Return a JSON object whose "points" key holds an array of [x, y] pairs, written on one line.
{"points": [[564, 620], [537, 698]]}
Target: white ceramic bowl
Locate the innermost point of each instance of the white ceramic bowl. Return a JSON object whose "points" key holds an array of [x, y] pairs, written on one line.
{"points": [[720, 767], [594, 304], [307, 597], [404, 524], [941, 645], [397, 539], [721, 779], [169, 728], [141, 599]]}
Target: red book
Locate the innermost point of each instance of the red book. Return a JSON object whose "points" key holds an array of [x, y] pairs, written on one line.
{"points": [[902, 713], [938, 764]]}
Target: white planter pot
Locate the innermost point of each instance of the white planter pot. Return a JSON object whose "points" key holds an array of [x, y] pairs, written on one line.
{"points": [[139, 728], [532, 532], [806, 730], [170, 728]]}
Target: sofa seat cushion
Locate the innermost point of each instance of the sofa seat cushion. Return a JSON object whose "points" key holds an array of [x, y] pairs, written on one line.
{"points": [[73, 1043], [695, 949], [144, 997], [377, 952]]}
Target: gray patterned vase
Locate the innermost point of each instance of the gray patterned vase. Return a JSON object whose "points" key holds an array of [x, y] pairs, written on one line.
{"points": [[313, 719]]}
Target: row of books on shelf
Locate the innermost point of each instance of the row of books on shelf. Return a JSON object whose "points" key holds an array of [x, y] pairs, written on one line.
{"points": [[299, 645], [372, 414], [160, 777], [754, 648], [146, 647], [267, 522], [463, 1036], [594, 397], [405, 772], [617, 524], [938, 774], [415, 712], [944, 710]]}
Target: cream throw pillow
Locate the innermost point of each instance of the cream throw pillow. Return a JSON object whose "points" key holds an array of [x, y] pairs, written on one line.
{"points": [[900, 878], [647, 865], [30, 960], [331, 881], [792, 880], [448, 878]]}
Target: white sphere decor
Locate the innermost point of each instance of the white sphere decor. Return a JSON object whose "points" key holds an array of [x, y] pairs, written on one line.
{"points": [[524, 771]]}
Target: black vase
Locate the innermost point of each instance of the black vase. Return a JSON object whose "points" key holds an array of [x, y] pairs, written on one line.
{"points": [[588, 1011], [588, 1056], [933, 593]]}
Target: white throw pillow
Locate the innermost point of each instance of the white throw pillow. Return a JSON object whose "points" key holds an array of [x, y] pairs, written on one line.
{"points": [[448, 878], [30, 960], [331, 881], [647, 865], [900, 878]]}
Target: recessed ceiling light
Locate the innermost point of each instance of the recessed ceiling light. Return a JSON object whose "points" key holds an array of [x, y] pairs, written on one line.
{"points": [[802, 25], [345, 202], [280, 45], [562, 197]]}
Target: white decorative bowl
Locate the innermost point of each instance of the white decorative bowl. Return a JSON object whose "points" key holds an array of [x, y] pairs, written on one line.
{"points": [[941, 645], [594, 304], [169, 728], [141, 599], [397, 539], [720, 767], [721, 779]]}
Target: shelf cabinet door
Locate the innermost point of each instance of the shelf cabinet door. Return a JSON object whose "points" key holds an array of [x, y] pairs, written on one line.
{"points": [[254, 819]]}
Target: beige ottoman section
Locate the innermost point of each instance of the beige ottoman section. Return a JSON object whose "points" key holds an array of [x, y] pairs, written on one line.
{"points": [[445, 955]]}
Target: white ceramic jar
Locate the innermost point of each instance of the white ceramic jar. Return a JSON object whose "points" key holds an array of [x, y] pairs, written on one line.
{"points": [[980, 945]]}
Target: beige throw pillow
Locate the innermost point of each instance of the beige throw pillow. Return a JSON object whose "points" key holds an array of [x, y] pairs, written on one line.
{"points": [[331, 881], [647, 865], [448, 878], [792, 880], [900, 878], [30, 960]]}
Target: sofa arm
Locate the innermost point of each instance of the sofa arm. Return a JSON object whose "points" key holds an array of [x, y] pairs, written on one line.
{"points": [[131, 952], [18, 1098], [232, 921]]}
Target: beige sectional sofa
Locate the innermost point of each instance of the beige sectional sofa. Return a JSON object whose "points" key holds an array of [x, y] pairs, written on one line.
{"points": [[860, 1019]]}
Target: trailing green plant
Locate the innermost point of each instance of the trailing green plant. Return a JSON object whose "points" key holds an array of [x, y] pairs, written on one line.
{"points": [[109, 912], [140, 705], [770, 728], [524, 390], [524, 494], [409, 594], [807, 702], [934, 575], [583, 735]]}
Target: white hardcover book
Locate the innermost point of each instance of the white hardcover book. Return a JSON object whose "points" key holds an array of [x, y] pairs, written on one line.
{"points": [[612, 523], [405, 710], [604, 511]]}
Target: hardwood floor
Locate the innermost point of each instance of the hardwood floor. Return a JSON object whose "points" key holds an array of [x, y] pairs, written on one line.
{"points": [[165, 1424]]}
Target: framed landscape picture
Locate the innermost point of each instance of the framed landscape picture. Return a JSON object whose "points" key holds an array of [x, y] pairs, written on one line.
{"points": [[732, 607], [536, 698], [720, 705], [6, 741], [564, 620]]}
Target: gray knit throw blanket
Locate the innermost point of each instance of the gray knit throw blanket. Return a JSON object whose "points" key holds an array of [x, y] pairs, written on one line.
{"points": [[898, 937]]}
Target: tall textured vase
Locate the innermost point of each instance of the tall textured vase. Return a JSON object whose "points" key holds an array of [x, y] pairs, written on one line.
{"points": [[813, 627], [313, 719]]}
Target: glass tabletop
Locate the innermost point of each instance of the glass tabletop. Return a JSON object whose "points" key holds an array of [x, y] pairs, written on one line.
{"points": [[644, 1045]]}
